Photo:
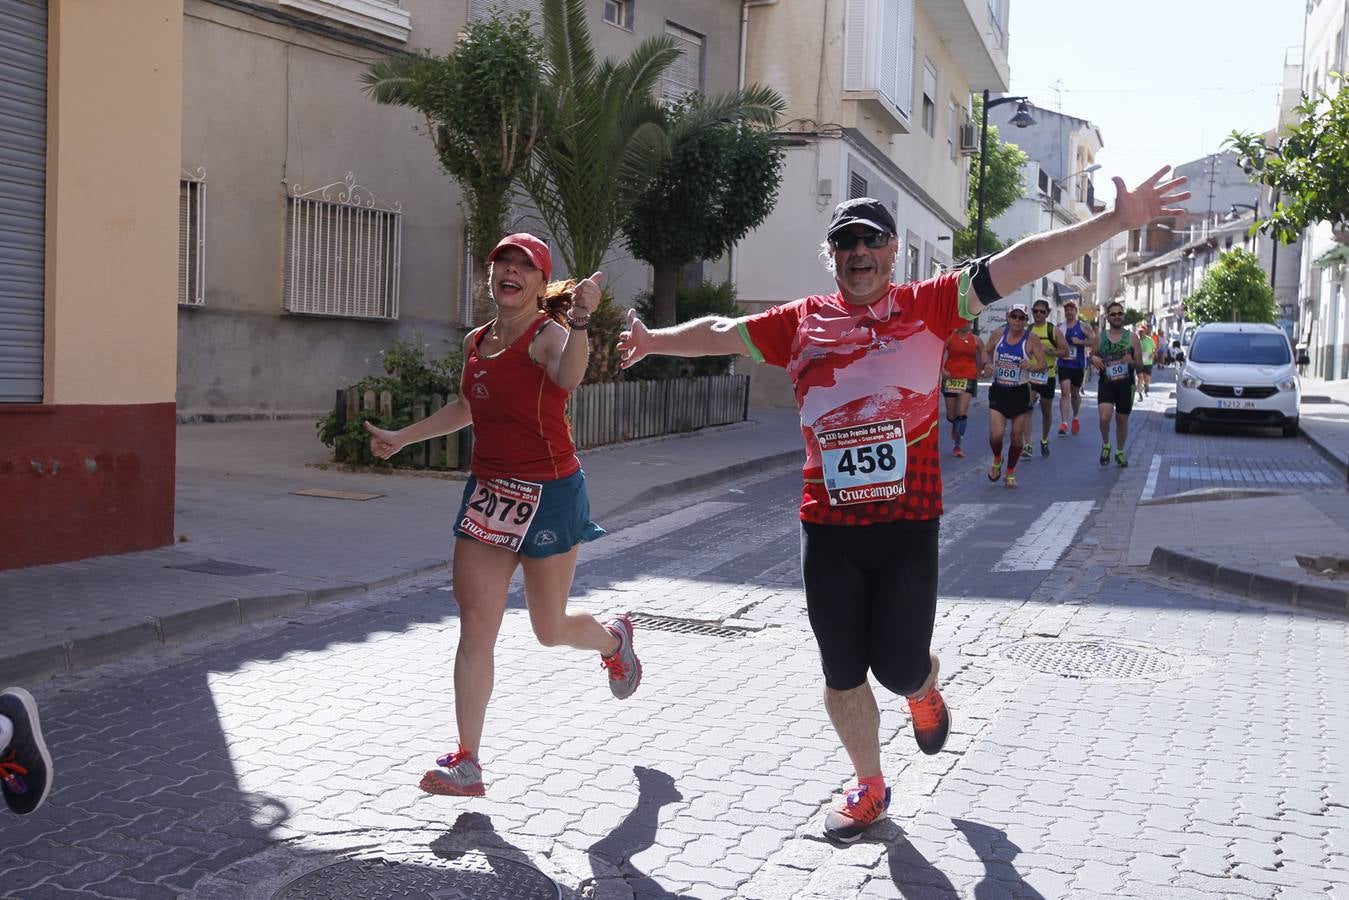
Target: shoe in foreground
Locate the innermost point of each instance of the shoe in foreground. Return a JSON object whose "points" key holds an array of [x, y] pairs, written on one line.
{"points": [[625, 670], [931, 718], [25, 765], [862, 807], [460, 776]]}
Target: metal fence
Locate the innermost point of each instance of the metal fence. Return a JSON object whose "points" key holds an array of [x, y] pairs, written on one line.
{"points": [[600, 413]]}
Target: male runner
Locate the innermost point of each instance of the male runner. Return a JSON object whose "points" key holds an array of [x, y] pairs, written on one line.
{"points": [[1148, 345], [1055, 346], [865, 361], [1078, 336], [1115, 357]]}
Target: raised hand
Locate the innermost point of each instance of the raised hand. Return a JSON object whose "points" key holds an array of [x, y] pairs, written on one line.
{"points": [[632, 342], [1151, 199], [585, 297], [383, 444]]}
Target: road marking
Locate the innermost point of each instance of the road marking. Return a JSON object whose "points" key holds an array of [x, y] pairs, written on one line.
{"points": [[957, 519], [1047, 538], [1156, 469]]}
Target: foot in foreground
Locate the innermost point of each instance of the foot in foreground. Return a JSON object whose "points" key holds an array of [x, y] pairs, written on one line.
{"points": [[995, 470], [1120, 459], [931, 718], [25, 765], [863, 806], [625, 670], [460, 776]]}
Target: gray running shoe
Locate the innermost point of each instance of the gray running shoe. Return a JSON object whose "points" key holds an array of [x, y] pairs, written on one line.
{"points": [[625, 670], [25, 765], [460, 777]]}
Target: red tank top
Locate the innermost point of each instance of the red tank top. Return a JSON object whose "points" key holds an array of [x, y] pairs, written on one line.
{"points": [[520, 429]]}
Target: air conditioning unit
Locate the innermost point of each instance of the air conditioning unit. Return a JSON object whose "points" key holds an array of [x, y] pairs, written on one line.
{"points": [[969, 139]]}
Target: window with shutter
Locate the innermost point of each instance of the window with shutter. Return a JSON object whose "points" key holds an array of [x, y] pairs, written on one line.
{"points": [[878, 51], [857, 186], [685, 74]]}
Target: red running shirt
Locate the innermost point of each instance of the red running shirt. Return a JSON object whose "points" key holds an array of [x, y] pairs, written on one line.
{"points": [[960, 350], [852, 366], [520, 427]]}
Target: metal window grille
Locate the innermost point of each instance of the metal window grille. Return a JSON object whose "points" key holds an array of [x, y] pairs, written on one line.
{"points": [[343, 252], [685, 74], [192, 238], [466, 286]]}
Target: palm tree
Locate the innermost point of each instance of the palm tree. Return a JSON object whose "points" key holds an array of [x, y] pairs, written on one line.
{"points": [[482, 104]]}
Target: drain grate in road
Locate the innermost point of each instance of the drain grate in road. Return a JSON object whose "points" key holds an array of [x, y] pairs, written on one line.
{"points": [[686, 626], [468, 876], [1087, 659]]}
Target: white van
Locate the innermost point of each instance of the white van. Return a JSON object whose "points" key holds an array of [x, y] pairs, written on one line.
{"points": [[1241, 374]]}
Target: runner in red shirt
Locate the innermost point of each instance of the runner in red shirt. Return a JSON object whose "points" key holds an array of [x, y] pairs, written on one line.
{"points": [[865, 362], [525, 504], [960, 380]]}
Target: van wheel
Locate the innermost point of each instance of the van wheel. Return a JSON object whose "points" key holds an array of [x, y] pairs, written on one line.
{"points": [[1290, 429], [1182, 424]]}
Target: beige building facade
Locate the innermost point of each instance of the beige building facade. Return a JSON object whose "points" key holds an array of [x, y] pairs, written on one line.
{"points": [[88, 156]]}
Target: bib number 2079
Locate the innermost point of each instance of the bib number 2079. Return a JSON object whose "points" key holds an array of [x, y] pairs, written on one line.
{"points": [[500, 511]]}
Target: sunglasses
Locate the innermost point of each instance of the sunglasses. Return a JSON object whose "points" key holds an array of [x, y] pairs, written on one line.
{"points": [[873, 239]]}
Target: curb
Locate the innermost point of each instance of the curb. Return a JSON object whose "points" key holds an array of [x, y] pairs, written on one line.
{"points": [[155, 632], [707, 479], [1317, 595]]}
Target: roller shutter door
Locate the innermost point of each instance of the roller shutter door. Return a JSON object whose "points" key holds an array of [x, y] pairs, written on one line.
{"points": [[23, 174]]}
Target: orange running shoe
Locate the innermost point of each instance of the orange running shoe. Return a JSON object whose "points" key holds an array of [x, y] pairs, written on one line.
{"points": [[862, 807], [1063, 428], [931, 719], [1076, 426], [956, 451]]}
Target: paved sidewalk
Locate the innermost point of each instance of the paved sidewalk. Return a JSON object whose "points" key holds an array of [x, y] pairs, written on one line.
{"points": [[1248, 545], [249, 548]]}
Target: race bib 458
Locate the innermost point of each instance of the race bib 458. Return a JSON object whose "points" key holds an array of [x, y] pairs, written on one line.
{"points": [[863, 463]]}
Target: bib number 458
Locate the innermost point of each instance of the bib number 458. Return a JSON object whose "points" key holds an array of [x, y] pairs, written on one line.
{"points": [[866, 460]]}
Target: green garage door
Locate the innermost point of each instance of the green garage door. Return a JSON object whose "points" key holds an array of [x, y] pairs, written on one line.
{"points": [[23, 175]]}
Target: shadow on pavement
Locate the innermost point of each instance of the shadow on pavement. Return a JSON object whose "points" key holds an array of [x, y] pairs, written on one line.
{"points": [[635, 833], [996, 852]]}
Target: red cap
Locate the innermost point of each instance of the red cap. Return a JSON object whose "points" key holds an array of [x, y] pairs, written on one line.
{"points": [[536, 249]]}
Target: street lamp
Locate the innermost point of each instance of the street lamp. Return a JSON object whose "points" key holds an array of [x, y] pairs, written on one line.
{"points": [[1022, 119]]}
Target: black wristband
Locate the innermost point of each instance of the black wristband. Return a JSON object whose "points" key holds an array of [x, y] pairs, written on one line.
{"points": [[579, 326]]}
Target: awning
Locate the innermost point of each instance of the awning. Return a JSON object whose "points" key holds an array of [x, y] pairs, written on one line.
{"points": [[1333, 256], [1063, 293]]}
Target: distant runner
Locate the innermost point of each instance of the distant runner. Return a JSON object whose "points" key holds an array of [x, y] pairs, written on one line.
{"points": [[961, 363], [1013, 355], [1148, 347], [1073, 367], [1042, 383], [1115, 358]]}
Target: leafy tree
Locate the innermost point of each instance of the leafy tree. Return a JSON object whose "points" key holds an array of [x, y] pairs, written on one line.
{"points": [[1234, 289], [1310, 168], [482, 104], [693, 302], [716, 177], [1003, 172]]}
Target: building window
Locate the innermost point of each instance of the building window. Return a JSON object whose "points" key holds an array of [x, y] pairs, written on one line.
{"points": [[912, 257], [1086, 267], [618, 13], [466, 285], [929, 98], [857, 186], [191, 238], [685, 75], [343, 249], [878, 37], [952, 129]]}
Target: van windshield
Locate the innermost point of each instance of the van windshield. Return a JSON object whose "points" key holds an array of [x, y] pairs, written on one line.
{"points": [[1234, 347]]}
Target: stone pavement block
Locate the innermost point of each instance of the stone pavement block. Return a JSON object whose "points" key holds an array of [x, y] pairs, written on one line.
{"points": [[1236, 884], [1323, 596], [34, 664], [91, 650]]}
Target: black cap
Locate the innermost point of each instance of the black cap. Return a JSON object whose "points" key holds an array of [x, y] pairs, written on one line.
{"points": [[861, 211]]}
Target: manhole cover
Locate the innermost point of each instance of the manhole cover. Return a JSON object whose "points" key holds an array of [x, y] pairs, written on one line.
{"points": [[467, 876], [216, 567], [1087, 659], [688, 626]]}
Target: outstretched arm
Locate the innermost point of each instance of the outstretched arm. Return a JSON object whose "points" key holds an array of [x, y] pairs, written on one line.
{"points": [[708, 336], [1038, 255]]}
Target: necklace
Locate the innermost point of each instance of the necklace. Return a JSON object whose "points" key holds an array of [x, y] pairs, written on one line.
{"points": [[496, 334]]}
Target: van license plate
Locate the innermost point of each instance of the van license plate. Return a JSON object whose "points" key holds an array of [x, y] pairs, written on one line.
{"points": [[1236, 404]]}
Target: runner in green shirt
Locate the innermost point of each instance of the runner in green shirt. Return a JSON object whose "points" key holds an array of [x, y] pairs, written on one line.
{"points": [[1148, 344]]}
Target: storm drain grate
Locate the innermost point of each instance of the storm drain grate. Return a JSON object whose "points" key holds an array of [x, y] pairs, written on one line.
{"points": [[685, 626], [468, 876], [216, 567], [1087, 659]]}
